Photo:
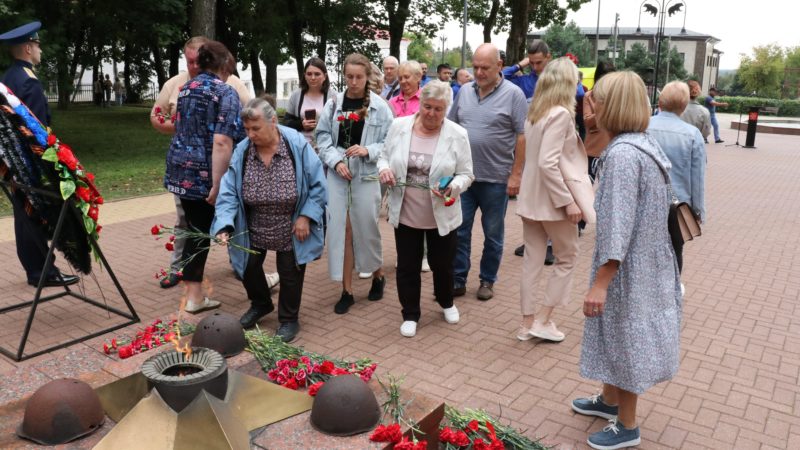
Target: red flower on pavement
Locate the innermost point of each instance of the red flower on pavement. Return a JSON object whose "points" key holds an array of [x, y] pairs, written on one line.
{"points": [[106, 350], [314, 388], [327, 367], [125, 352], [170, 246], [156, 230], [473, 425], [291, 384], [406, 444], [114, 343], [387, 433]]}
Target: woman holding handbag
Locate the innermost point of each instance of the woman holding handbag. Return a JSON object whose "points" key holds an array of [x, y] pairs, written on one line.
{"points": [[555, 195]]}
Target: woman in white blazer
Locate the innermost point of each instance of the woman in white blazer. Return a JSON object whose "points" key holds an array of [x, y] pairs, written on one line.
{"points": [[554, 196], [427, 150]]}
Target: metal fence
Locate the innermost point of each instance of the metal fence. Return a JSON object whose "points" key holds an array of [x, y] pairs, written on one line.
{"points": [[84, 93]]}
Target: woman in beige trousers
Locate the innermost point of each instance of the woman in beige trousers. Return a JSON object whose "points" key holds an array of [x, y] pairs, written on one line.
{"points": [[555, 195]]}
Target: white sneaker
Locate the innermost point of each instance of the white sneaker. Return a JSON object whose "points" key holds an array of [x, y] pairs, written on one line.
{"points": [[194, 308], [425, 266], [408, 328], [683, 290], [272, 279], [547, 332], [364, 275], [451, 314], [524, 334]]}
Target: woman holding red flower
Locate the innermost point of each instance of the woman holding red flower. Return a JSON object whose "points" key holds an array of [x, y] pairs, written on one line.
{"points": [[424, 149], [350, 134]]}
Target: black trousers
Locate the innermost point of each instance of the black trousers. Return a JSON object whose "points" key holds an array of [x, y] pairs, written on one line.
{"points": [[31, 241], [441, 252], [199, 215], [675, 236], [291, 284]]}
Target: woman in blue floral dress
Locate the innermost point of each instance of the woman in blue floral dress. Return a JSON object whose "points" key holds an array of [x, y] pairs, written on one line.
{"points": [[631, 335]]}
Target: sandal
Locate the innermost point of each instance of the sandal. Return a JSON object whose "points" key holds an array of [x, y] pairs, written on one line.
{"points": [[205, 306]]}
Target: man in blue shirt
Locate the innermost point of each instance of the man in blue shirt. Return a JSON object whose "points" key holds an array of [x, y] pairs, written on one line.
{"points": [[712, 104], [31, 242]]}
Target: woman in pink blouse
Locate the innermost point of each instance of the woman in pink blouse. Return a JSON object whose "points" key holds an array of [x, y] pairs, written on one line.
{"points": [[406, 103]]}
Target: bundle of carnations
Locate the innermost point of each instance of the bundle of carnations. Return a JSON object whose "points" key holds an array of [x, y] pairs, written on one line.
{"points": [[154, 335], [441, 187], [179, 233], [294, 368], [477, 430]]}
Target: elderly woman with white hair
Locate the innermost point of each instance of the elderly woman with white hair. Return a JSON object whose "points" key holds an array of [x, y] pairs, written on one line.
{"points": [[683, 145], [272, 198], [420, 150]]}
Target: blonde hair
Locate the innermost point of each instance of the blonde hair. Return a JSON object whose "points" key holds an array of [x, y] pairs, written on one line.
{"points": [[625, 107], [556, 87], [412, 67], [376, 80], [674, 97]]}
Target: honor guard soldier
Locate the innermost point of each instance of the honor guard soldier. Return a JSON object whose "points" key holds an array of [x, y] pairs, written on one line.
{"points": [[20, 78]]}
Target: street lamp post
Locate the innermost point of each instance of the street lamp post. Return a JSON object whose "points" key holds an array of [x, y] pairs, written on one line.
{"points": [[443, 38], [664, 6], [464, 39]]}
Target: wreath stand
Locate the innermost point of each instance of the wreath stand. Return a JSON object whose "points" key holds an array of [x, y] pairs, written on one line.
{"points": [[38, 298]]}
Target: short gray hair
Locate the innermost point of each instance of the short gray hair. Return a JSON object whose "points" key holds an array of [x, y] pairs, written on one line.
{"points": [[257, 107], [436, 90]]}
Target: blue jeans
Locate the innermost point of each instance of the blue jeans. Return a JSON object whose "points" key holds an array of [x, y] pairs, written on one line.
{"points": [[492, 200], [715, 124]]}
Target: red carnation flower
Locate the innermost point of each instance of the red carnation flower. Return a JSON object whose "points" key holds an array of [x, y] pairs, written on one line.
{"points": [[354, 117], [155, 231], [90, 177], [387, 433], [449, 201], [473, 425], [169, 246], [106, 350], [291, 384], [98, 200], [125, 352], [66, 157], [340, 118], [314, 388], [83, 193], [51, 140], [327, 367], [93, 213], [98, 228]]}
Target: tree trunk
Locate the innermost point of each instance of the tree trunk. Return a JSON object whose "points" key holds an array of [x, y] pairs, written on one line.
{"points": [[322, 45], [397, 23], [490, 21], [203, 18], [255, 70], [126, 56], [158, 64], [271, 83], [295, 39], [174, 55], [515, 45]]}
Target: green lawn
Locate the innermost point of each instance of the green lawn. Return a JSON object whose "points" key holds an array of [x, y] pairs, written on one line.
{"points": [[117, 144]]}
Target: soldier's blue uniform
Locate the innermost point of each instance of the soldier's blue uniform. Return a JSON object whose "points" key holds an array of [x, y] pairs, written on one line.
{"points": [[23, 82], [31, 241]]}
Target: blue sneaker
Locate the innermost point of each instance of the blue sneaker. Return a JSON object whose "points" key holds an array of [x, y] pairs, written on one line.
{"points": [[613, 436], [594, 406]]}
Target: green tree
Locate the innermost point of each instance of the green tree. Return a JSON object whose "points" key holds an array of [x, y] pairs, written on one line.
{"points": [[563, 39], [640, 60], [420, 49], [762, 73], [791, 82]]}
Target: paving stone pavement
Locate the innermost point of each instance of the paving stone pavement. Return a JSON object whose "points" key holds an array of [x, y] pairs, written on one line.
{"points": [[738, 385]]}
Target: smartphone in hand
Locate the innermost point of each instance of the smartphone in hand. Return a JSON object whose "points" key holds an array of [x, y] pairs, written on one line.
{"points": [[311, 114]]}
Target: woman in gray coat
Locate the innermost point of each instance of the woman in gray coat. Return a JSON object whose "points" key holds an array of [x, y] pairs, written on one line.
{"points": [[350, 135], [631, 336]]}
